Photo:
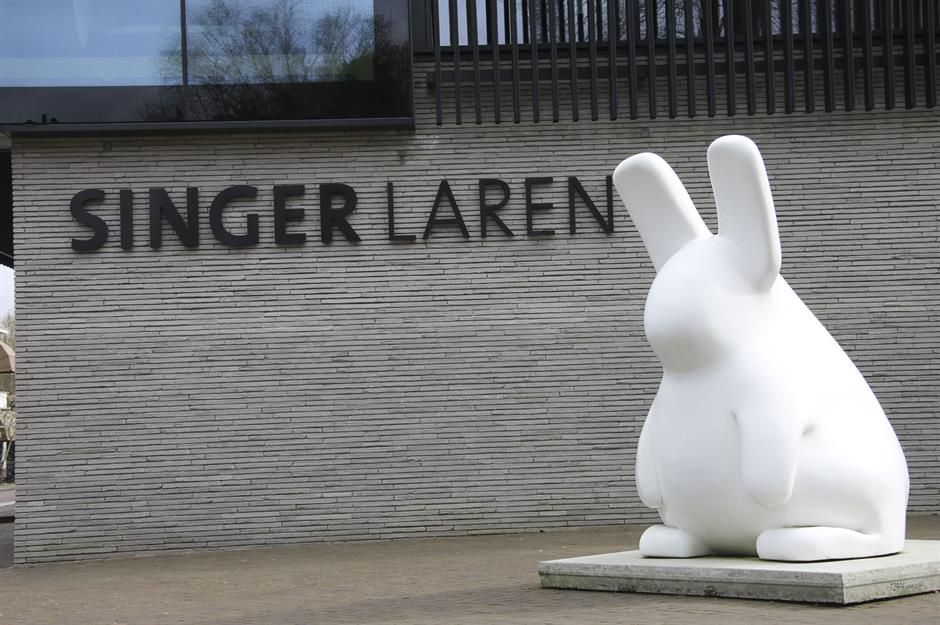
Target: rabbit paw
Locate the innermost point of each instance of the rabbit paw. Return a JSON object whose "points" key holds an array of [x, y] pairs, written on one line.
{"points": [[660, 541], [807, 544]]}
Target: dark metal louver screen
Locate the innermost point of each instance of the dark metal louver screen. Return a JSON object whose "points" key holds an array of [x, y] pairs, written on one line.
{"points": [[678, 57]]}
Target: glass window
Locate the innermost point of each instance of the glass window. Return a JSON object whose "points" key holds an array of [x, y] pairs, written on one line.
{"points": [[285, 41], [138, 61], [89, 42]]}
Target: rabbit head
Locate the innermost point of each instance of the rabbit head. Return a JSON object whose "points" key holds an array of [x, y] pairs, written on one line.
{"points": [[710, 290]]}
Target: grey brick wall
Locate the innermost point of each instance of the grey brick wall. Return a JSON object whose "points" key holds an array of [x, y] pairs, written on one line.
{"points": [[217, 397]]}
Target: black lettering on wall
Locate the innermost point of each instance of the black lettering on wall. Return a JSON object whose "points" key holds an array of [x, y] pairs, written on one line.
{"points": [[162, 207], [444, 191], [488, 211], [575, 188], [531, 207], [127, 219], [336, 217], [282, 214], [218, 207], [390, 192], [86, 218]]}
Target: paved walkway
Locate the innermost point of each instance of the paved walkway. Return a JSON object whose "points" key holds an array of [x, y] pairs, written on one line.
{"points": [[478, 580], [7, 501]]}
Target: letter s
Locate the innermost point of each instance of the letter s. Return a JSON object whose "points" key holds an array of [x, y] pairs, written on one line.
{"points": [[82, 216]]}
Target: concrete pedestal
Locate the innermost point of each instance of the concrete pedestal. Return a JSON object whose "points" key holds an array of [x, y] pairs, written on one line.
{"points": [[915, 570]]}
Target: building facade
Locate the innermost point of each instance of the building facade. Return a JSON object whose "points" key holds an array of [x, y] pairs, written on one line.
{"points": [[261, 316]]}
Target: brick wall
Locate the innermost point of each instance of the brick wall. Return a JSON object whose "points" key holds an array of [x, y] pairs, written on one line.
{"points": [[218, 397]]}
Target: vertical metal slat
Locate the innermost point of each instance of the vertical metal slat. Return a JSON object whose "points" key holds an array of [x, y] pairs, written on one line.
{"points": [[848, 55], [573, 60], [632, 14], [671, 57], [452, 20], [513, 40], [930, 69], [707, 9], [651, 54], [786, 20], [829, 89], [867, 47], [472, 38], [613, 38], [592, 56], [888, 52], [910, 92], [184, 47], [524, 5], [492, 33], [436, 44], [809, 72], [769, 88], [534, 55], [749, 82], [690, 55], [553, 56], [730, 72]]}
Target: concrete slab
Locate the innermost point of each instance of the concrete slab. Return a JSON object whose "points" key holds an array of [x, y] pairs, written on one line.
{"points": [[913, 571]]}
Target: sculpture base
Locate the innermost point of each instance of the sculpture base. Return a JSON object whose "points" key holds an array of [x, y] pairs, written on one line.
{"points": [[913, 571]]}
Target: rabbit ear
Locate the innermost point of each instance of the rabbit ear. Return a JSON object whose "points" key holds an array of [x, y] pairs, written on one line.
{"points": [[659, 206], [745, 206]]}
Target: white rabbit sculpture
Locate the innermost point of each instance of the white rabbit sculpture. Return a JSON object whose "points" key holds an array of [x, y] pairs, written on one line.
{"points": [[763, 438]]}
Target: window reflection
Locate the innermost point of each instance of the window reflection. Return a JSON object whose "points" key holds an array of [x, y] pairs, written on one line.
{"points": [[260, 41], [88, 61], [88, 42]]}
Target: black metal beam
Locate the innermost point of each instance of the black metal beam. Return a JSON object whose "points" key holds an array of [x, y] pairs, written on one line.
{"points": [[534, 54], [365, 124], [632, 12], [573, 60], [613, 37], [729, 55], [436, 44], [592, 56], [553, 56], [806, 29], [769, 89], [492, 34], [707, 9], [513, 41], [868, 67], [887, 33], [825, 26], [910, 90], [749, 81], [651, 54], [455, 47], [690, 55], [848, 55], [930, 68], [671, 57], [786, 20], [472, 37]]}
